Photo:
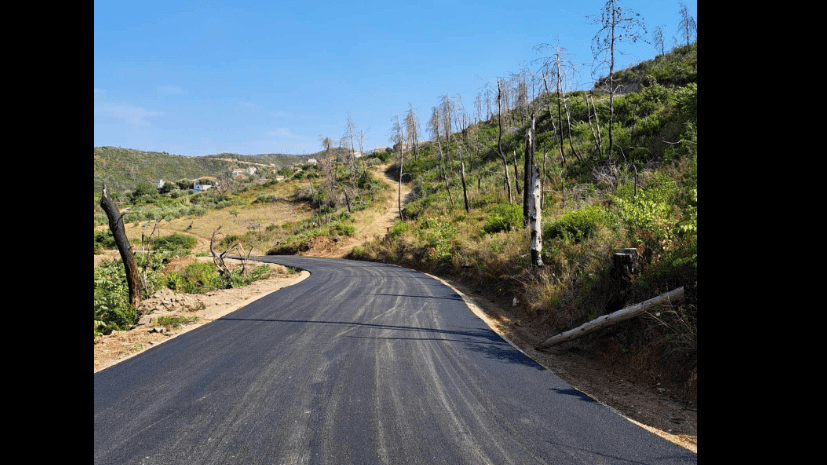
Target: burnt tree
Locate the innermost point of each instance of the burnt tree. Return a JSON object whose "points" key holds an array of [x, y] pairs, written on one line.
{"points": [[115, 217]]}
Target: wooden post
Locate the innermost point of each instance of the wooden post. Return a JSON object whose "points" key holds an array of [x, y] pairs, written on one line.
{"points": [[626, 264], [613, 318], [127, 256]]}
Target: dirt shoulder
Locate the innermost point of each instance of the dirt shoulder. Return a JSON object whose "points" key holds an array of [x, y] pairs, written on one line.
{"points": [[199, 308], [618, 384]]}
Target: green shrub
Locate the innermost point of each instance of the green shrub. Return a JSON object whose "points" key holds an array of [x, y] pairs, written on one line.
{"points": [[103, 240], [398, 228], [174, 242], [437, 234], [174, 321], [505, 217], [111, 299], [576, 225], [198, 278]]}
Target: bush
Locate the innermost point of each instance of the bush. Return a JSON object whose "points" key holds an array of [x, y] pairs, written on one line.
{"points": [[111, 299], [174, 242], [398, 228], [195, 278], [103, 240], [437, 234], [505, 217], [576, 225]]}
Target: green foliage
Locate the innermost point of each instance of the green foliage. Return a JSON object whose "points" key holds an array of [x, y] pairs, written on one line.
{"points": [[339, 228], [650, 209], [437, 233], [195, 278], [199, 278], [104, 240], [111, 299], [398, 228], [577, 224], [174, 321], [504, 217], [143, 192], [174, 242]]}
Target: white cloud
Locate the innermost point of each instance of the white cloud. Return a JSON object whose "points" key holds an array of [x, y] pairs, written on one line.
{"points": [[130, 114]]}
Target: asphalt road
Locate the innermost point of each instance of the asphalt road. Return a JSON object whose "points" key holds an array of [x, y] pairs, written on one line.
{"points": [[361, 363]]}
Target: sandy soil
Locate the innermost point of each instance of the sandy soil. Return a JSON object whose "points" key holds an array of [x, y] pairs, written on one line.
{"points": [[605, 377], [121, 345]]}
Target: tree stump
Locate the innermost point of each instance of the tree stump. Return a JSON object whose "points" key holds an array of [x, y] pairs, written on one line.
{"points": [[626, 264]]}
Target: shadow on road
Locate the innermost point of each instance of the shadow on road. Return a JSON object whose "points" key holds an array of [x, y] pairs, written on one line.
{"points": [[483, 341]]}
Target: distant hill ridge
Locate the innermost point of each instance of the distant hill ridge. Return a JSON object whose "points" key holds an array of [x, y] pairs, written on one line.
{"points": [[123, 169]]}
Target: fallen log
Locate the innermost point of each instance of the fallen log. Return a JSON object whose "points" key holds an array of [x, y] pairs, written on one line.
{"points": [[612, 318]]}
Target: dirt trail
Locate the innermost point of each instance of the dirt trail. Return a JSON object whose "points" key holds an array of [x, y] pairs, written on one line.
{"points": [[371, 224]]}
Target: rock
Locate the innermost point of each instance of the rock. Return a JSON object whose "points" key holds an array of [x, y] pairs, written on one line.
{"points": [[157, 329]]}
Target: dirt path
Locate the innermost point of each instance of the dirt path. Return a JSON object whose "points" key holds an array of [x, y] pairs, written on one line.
{"points": [[373, 223]]}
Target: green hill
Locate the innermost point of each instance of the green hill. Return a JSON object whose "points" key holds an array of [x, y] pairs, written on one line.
{"points": [[123, 169]]}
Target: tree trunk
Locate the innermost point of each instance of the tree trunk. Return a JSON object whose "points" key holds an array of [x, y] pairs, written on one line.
{"points": [[462, 176], [399, 190], [568, 120], [534, 191], [596, 137], [516, 174], [347, 199], [500, 141], [127, 255], [613, 318]]}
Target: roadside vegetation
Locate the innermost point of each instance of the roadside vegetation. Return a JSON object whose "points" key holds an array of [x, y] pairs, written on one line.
{"points": [[643, 195], [238, 207]]}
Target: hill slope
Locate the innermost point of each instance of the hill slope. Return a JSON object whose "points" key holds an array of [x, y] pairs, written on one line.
{"points": [[123, 169]]}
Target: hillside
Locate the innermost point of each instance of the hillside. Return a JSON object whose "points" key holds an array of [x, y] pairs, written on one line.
{"points": [[642, 195], [123, 169]]}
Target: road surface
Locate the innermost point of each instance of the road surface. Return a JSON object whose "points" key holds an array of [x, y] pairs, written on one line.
{"points": [[361, 363]]}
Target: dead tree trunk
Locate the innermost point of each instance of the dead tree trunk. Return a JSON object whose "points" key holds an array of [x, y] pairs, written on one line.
{"points": [[500, 141], [598, 139], [613, 318], [516, 174], [127, 255], [533, 193], [462, 177]]}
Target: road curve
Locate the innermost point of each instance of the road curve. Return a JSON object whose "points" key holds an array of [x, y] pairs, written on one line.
{"points": [[361, 363]]}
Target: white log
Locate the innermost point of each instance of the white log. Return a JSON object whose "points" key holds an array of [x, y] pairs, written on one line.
{"points": [[612, 318]]}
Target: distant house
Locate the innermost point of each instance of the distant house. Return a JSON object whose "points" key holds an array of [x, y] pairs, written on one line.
{"points": [[312, 161], [237, 171], [160, 184], [199, 183]]}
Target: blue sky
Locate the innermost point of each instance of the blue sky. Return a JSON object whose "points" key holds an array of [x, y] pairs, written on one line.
{"points": [[252, 77]]}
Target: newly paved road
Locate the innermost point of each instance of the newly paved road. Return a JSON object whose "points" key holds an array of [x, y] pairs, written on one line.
{"points": [[361, 363]]}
